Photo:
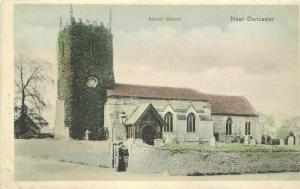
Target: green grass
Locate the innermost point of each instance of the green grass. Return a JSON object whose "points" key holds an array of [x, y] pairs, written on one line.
{"points": [[232, 148]]}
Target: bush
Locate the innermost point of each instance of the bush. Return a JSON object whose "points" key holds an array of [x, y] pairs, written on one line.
{"points": [[242, 140], [266, 139], [275, 141]]}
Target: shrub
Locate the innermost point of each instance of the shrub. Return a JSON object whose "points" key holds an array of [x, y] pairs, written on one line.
{"points": [[266, 139], [275, 141]]}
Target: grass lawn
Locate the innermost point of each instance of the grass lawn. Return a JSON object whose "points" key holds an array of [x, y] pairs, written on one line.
{"points": [[232, 148]]}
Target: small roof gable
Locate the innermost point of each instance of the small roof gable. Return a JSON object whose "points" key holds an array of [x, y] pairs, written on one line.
{"points": [[155, 92], [137, 113], [230, 105], [140, 111]]}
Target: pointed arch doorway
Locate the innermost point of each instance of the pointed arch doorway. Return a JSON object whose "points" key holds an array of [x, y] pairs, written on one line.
{"points": [[148, 134], [145, 124]]}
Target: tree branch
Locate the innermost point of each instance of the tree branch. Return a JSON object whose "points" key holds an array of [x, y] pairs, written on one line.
{"points": [[32, 76]]}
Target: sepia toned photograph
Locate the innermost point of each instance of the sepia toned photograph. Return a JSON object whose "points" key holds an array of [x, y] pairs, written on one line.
{"points": [[134, 92]]}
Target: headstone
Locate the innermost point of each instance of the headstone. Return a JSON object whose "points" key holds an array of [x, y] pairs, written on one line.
{"points": [[282, 142], [159, 143], [212, 141], [291, 141], [252, 142], [246, 141], [87, 132]]}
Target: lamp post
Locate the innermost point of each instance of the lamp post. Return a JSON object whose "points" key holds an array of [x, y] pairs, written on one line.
{"points": [[122, 118]]}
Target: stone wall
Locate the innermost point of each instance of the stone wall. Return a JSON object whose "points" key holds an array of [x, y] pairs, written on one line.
{"points": [[147, 159], [95, 153]]}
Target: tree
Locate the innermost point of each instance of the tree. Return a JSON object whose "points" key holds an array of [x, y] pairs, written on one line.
{"points": [[31, 77], [267, 123], [289, 126]]}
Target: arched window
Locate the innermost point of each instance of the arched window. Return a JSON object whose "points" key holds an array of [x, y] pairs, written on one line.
{"points": [[191, 122], [248, 128], [229, 126], [169, 122]]}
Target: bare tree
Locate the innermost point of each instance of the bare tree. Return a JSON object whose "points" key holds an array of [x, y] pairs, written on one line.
{"points": [[31, 76]]}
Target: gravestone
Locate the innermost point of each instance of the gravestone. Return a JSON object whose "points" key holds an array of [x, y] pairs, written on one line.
{"points": [[291, 141], [212, 141], [252, 142], [246, 141], [87, 132], [282, 142]]}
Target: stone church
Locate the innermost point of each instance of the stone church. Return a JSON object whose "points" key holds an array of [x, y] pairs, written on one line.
{"points": [[90, 102]]}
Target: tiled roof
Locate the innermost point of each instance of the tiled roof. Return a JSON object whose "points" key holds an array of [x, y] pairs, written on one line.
{"points": [[155, 92], [230, 105], [220, 104]]}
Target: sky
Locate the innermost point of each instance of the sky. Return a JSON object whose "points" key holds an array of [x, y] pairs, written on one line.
{"points": [[204, 50]]}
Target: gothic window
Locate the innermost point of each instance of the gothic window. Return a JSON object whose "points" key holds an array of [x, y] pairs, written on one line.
{"points": [[168, 122], [248, 128], [191, 122], [229, 126]]}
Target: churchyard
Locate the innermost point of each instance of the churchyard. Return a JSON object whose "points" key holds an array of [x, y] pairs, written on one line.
{"points": [[170, 159], [233, 148]]}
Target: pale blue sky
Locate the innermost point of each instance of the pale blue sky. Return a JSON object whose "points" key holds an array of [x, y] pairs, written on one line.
{"points": [[205, 50]]}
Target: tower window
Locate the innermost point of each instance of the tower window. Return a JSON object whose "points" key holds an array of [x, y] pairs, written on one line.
{"points": [[191, 122], [62, 49], [92, 49], [168, 122], [229, 126]]}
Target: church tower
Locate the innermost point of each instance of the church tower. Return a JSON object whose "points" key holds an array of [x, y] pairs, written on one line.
{"points": [[85, 72]]}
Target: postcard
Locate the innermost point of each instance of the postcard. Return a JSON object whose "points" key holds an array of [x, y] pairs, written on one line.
{"points": [[144, 95]]}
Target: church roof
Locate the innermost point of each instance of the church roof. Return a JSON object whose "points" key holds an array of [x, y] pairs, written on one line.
{"points": [[220, 104], [230, 105], [155, 92]]}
